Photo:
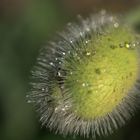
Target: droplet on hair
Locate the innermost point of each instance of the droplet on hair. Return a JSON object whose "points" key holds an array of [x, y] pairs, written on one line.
{"points": [[63, 53], [51, 63], [83, 84], [116, 25], [127, 45], [88, 53]]}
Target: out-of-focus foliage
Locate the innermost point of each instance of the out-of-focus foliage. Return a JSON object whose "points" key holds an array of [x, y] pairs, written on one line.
{"points": [[21, 37]]}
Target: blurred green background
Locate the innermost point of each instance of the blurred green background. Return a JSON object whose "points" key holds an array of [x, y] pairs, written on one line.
{"points": [[25, 26]]}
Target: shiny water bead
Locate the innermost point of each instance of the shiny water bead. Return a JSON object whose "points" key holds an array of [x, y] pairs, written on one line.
{"points": [[59, 73], [88, 53], [127, 45], [51, 63], [63, 53], [116, 25]]}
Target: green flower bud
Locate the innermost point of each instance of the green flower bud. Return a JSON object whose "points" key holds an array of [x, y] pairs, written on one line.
{"points": [[86, 82]]}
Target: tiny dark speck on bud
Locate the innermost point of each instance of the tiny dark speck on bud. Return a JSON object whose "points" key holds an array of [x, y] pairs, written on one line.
{"points": [[98, 71], [113, 46]]}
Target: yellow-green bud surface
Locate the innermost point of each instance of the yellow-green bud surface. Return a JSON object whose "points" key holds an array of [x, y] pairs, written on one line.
{"points": [[103, 78]]}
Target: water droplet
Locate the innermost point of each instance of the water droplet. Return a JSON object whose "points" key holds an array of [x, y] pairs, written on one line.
{"points": [[59, 73], [88, 53], [86, 41], [78, 58], [63, 53], [71, 41], [81, 34], [56, 109], [96, 91], [62, 87], [87, 29], [71, 73], [60, 62], [51, 63], [83, 84], [67, 106], [63, 109], [44, 60], [75, 54], [134, 45], [29, 101], [116, 25], [127, 45], [43, 89]]}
